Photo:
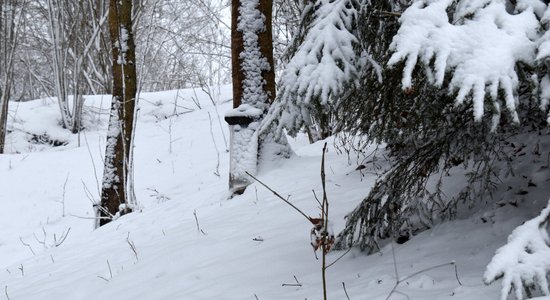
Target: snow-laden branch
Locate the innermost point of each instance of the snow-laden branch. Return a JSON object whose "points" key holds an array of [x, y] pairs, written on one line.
{"points": [[524, 262], [323, 64], [326, 59], [478, 47]]}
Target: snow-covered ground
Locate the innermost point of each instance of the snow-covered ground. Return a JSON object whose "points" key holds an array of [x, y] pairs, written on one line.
{"points": [[189, 241]]}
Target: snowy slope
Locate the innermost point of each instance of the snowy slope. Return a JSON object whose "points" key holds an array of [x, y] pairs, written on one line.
{"points": [[247, 247]]}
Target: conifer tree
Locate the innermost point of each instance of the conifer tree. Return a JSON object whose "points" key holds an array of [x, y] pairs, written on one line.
{"points": [[434, 90], [324, 60]]}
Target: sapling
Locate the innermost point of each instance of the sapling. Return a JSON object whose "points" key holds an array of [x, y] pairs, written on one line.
{"points": [[321, 237]]}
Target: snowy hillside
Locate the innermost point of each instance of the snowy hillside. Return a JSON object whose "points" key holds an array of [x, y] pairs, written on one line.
{"points": [[189, 241]]}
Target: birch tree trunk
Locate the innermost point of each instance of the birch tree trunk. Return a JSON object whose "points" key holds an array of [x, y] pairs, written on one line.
{"points": [[116, 199]]}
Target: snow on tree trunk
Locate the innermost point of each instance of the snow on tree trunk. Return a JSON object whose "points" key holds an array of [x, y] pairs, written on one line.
{"points": [[253, 85], [116, 199], [524, 262]]}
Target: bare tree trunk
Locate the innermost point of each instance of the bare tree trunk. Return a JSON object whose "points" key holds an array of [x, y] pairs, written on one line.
{"points": [[115, 197], [11, 14], [4, 100], [75, 31]]}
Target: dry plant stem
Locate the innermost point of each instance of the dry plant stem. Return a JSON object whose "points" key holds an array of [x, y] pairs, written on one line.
{"points": [[399, 281], [217, 172], [64, 190], [456, 274], [27, 245], [93, 163], [6, 292], [324, 217], [339, 257], [279, 196], [293, 284], [345, 291], [132, 246], [62, 239], [199, 230], [110, 273], [207, 90], [324, 240]]}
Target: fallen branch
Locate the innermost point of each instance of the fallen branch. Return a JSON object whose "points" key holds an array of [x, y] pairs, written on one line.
{"points": [[293, 284]]}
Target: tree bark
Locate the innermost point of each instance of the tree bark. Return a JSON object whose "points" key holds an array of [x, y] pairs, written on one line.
{"points": [[10, 23], [265, 41], [245, 143], [115, 195]]}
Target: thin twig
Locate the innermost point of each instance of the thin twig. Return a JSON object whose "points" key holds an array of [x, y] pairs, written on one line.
{"points": [[63, 197], [427, 269], [387, 13], [199, 230], [324, 235], [132, 246], [93, 164], [110, 271], [63, 238], [340, 257], [91, 218], [6, 292], [316, 198], [217, 172], [394, 262], [399, 281], [293, 284], [279, 196], [25, 244], [456, 273], [345, 291]]}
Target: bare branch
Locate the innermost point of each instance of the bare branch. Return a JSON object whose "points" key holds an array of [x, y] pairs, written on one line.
{"points": [[279, 196]]}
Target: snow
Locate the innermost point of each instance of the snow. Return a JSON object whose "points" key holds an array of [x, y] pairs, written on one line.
{"points": [[122, 45], [245, 110], [323, 64], [525, 258], [246, 246], [251, 22], [115, 129], [478, 47], [254, 99]]}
